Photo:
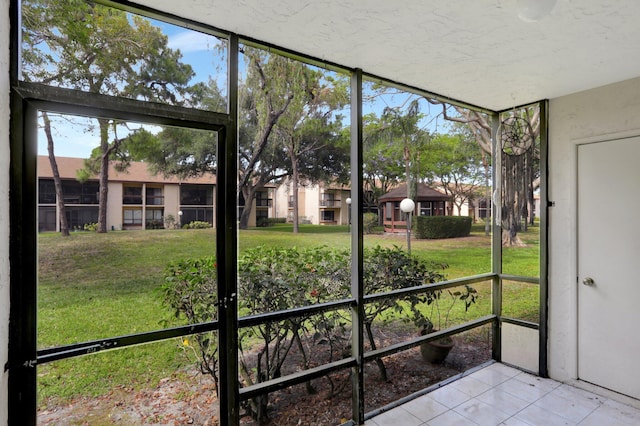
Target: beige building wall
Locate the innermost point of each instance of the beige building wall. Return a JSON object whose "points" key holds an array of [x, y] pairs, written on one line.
{"points": [[171, 201], [281, 201], [309, 203], [114, 206]]}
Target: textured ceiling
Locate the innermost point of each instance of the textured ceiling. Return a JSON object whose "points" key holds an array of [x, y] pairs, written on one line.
{"points": [[476, 51]]}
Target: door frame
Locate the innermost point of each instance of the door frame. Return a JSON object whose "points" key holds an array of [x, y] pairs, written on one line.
{"points": [[577, 143]]}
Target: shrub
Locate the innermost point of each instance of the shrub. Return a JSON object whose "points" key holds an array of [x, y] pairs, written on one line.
{"points": [[269, 221], [196, 224], [272, 279], [369, 223], [190, 289], [169, 221], [91, 227], [434, 227], [154, 224]]}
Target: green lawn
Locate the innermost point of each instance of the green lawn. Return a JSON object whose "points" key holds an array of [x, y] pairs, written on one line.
{"points": [[101, 285]]}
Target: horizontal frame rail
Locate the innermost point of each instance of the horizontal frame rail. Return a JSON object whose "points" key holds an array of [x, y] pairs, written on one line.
{"points": [[369, 298], [253, 320], [68, 351], [77, 349], [521, 323], [295, 378], [399, 347], [316, 372], [77, 102], [519, 278]]}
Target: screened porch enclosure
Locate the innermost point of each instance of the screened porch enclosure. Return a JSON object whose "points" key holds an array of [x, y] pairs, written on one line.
{"points": [[346, 291]]}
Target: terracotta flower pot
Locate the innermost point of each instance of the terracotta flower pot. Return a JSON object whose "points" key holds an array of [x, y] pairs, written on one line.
{"points": [[436, 351]]}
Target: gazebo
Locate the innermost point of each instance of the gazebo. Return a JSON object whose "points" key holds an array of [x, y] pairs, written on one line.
{"points": [[428, 201]]}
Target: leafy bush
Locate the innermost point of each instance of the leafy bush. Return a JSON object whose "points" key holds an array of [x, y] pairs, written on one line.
{"points": [[269, 221], [154, 224], [272, 279], [196, 224], [435, 227], [170, 221], [190, 289], [91, 227]]}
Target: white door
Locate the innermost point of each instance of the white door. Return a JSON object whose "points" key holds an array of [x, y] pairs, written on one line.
{"points": [[609, 265]]}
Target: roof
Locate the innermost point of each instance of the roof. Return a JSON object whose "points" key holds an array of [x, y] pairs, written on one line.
{"points": [[137, 172], [425, 193], [480, 52]]}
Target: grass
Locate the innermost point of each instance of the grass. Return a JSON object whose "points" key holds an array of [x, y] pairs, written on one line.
{"points": [[93, 286]]}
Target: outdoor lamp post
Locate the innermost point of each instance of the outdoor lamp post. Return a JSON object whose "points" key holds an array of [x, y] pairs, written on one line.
{"points": [[407, 206], [348, 200], [180, 219]]}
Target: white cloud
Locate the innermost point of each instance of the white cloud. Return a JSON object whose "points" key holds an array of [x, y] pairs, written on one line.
{"points": [[192, 41]]}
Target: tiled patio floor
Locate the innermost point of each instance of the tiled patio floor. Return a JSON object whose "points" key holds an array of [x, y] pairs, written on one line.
{"points": [[501, 395]]}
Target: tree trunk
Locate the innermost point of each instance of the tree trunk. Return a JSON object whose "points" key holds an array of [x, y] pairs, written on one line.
{"points": [[379, 361], [57, 183], [488, 215], [248, 192], [104, 175], [294, 187]]}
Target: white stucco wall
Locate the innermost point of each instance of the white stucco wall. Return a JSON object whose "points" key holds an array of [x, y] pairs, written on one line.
{"points": [[4, 205], [609, 110]]}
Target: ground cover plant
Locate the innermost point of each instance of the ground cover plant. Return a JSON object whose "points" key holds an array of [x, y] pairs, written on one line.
{"points": [[100, 285]]}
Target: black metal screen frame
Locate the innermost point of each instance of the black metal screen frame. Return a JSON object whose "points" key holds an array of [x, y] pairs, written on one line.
{"points": [[27, 98]]}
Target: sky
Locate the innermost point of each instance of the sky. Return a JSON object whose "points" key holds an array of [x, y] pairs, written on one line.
{"points": [[76, 136]]}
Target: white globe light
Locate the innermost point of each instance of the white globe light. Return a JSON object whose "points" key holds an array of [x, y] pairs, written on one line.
{"points": [[348, 200], [407, 205]]}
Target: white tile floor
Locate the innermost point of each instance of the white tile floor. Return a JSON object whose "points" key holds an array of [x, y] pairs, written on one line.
{"points": [[501, 395]]}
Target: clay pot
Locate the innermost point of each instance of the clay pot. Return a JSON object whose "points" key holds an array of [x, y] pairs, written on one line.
{"points": [[436, 351]]}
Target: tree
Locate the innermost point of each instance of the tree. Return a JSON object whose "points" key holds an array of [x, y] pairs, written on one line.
{"points": [[454, 162], [308, 131], [100, 50], [271, 85], [518, 188], [382, 168], [57, 182], [393, 146]]}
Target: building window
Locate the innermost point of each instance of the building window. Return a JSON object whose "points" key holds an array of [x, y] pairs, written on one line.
{"points": [[46, 219], [132, 217], [132, 195], [75, 192], [262, 199], [78, 217], [328, 200], [426, 208], [196, 195], [154, 197], [154, 218], [483, 211], [196, 214], [327, 216], [46, 192]]}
